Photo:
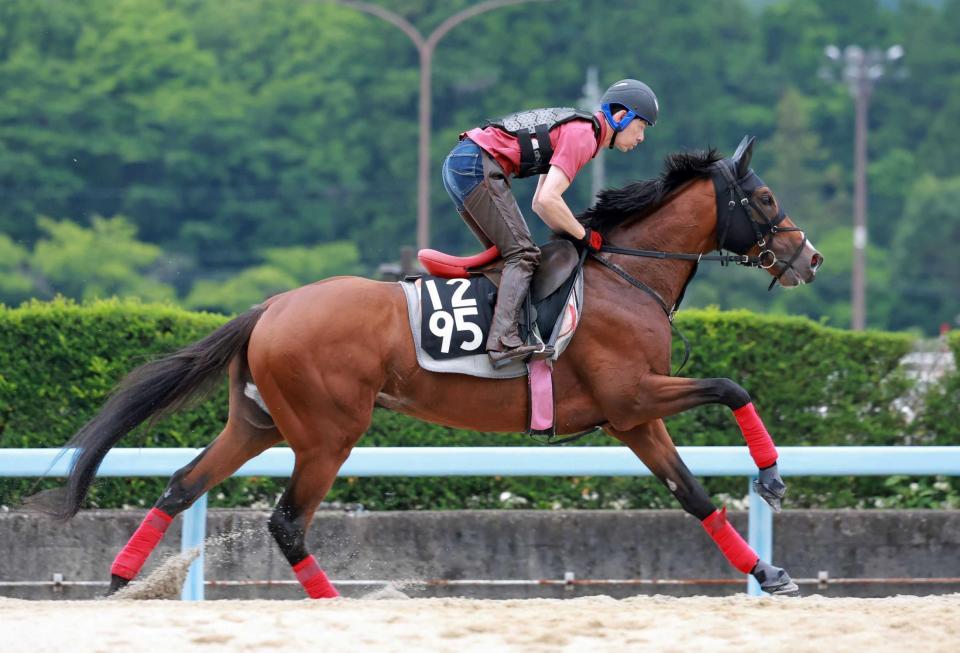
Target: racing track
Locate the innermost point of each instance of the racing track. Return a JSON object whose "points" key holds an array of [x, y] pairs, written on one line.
{"points": [[597, 623]]}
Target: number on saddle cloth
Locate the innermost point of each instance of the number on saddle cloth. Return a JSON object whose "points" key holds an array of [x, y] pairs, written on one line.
{"points": [[455, 315]]}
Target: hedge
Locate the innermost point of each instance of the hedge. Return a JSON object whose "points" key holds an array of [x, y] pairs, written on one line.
{"points": [[813, 385]]}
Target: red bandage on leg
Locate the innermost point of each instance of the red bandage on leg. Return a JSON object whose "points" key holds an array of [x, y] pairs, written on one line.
{"points": [[728, 539], [755, 433], [313, 579], [130, 560]]}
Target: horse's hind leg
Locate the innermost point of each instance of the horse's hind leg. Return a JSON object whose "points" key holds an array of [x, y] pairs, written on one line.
{"points": [[248, 433], [313, 475], [652, 444]]}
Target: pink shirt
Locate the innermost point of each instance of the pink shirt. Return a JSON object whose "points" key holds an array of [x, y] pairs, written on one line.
{"points": [[574, 144]]}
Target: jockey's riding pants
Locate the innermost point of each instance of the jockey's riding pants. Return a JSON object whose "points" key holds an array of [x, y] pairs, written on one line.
{"points": [[481, 191]]}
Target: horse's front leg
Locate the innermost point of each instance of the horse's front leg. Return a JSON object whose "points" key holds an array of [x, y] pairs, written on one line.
{"points": [[661, 396], [652, 444]]}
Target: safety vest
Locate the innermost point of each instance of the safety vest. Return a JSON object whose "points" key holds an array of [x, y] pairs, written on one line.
{"points": [[532, 131]]}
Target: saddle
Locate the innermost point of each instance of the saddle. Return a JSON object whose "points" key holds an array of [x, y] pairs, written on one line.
{"points": [[450, 310], [558, 260]]}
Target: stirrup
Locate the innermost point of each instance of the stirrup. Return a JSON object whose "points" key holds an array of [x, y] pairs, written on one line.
{"points": [[503, 358], [545, 352]]}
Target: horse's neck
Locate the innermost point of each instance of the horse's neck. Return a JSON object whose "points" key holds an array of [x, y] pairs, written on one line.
{"points": [[686, 223]]}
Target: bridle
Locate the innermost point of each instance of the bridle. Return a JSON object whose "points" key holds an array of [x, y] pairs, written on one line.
{"points": [[740, 192]]}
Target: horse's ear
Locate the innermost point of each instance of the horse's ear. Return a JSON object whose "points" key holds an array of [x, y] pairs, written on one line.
{"points": [[741, 158]]}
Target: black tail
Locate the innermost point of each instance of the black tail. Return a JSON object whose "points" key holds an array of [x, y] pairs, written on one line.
{"points": [[148, 392]]}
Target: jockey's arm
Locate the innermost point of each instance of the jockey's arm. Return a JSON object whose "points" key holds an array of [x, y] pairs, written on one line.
{"points": [[548, 203]]}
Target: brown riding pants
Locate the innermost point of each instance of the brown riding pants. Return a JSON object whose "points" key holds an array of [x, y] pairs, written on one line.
{"points": [[492, 214]]}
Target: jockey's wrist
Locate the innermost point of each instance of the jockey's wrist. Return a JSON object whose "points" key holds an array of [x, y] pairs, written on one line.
{"points": [[592, 240]]}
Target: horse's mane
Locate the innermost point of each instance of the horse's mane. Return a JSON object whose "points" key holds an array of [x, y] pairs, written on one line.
{"points": [[615, 205]]}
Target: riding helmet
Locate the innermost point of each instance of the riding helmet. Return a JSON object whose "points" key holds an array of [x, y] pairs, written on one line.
{"points": [[638, 98]]}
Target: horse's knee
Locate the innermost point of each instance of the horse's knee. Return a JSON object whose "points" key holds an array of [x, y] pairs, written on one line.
{"points": [[288, 534]]}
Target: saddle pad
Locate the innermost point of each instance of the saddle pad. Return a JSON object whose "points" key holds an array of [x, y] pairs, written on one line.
{"points": [[457, 330]]}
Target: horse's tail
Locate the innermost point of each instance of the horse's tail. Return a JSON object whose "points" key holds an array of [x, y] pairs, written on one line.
{"points": [[148, 392]]}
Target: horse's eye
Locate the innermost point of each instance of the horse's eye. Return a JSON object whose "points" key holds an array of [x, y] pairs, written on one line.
{"points": [[767, 200]]}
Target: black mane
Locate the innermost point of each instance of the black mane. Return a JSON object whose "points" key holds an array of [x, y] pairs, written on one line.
{"points": [[615, 205]]}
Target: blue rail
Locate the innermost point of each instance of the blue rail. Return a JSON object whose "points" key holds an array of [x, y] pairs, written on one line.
{"points": [[508, 461]]}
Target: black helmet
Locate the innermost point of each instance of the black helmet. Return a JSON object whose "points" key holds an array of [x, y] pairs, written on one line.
{"points": [[633, 95]]}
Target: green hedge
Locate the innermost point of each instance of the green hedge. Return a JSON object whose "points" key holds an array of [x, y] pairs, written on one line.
{"points": [[813, 386]]}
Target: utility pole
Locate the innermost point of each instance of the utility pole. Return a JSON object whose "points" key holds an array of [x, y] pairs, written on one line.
{"points": [[426, 47], [591, 102], [861, 71]]}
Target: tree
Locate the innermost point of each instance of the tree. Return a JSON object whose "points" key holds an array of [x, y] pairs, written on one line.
{"points": [[103, 261], [926, 272], [285, 268], [796, 176], [828, 298], [15, 282]]}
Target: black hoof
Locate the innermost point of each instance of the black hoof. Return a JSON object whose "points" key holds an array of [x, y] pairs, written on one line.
{"points": [[771, 487], [116, 583], [774, 580]]}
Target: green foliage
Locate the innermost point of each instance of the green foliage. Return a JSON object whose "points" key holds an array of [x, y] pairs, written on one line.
{"points": [[99, 262], [309, 264], [939, 417], [15, 282], [812, 385], [286, 268], [240, 292], [926, 270], [220, 129]]}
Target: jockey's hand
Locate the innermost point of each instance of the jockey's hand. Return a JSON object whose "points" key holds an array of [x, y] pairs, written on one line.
{"points": [[592, 240]]}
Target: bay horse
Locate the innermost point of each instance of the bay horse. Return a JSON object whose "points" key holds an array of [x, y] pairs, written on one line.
{"points": [[324, 355]]}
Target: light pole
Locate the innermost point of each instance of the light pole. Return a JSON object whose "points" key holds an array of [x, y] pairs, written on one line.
{"points": [[426, 47], [861, 70], [590, 102]]}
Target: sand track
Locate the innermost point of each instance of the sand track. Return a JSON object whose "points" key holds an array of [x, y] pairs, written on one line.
{"points": [[464, 625]]}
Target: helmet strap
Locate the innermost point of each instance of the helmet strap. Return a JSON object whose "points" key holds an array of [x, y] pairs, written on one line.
{"points": [[618, 126]]}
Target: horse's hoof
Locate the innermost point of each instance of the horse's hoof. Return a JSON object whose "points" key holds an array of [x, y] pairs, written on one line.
{"points": [[771, 487], [774, 580], [116, 583]]}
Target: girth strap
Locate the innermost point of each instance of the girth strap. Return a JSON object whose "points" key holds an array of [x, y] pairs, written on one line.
{"points": [[633, 281]]}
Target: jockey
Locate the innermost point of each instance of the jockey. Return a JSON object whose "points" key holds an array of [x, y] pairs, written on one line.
{"points": [[554, 144]]}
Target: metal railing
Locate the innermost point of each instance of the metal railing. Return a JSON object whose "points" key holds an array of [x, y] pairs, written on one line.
{"points": [[508, 461]]}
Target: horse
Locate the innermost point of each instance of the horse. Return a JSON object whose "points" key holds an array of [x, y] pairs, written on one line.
{"points": [[324, 355]]}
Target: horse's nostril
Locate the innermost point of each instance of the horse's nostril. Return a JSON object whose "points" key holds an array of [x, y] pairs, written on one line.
{"points": [[816, 261]]}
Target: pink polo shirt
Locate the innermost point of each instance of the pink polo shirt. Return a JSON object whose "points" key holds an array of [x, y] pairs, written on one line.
{"points": [[574, 144]]}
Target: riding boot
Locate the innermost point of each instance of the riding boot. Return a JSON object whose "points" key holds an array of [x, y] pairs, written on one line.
{"points": [[504, 343], [495, 213]]}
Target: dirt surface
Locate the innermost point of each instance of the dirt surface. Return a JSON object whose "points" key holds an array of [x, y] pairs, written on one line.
{"points": [[596, 623]]}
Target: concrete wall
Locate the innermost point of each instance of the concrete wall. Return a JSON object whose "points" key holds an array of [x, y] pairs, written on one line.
{"points": [[501, 544]]}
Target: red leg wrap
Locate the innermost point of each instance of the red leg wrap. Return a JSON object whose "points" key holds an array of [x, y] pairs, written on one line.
{"points": [[313, 579], [755, 433], [728, 539], [131, 558]]}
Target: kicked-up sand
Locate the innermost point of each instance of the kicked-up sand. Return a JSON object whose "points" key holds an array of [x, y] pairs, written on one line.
{"points": [[599, 623]]}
